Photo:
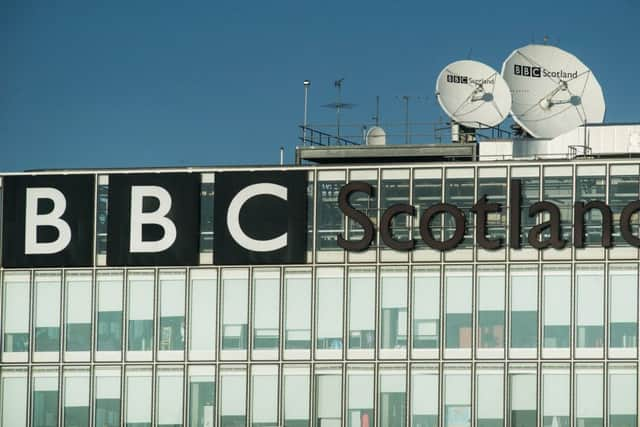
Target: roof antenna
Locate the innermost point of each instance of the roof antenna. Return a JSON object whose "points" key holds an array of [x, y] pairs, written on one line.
{"points": [[338, 105]]}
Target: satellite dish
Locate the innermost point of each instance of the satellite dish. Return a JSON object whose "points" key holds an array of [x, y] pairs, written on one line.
{"points": [[473, 94], [553, 91]]}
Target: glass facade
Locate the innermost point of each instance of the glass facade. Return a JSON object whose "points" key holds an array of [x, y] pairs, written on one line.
{"points": [[469, 337]]}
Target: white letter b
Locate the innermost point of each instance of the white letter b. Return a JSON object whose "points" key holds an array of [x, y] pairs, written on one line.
{"points": [[158, 217], [52, 219]]}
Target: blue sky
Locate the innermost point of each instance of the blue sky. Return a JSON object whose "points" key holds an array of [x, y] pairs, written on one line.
{"points": [[159, 83]]}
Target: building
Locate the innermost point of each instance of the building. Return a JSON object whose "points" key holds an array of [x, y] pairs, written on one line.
{"points": [[226, 297]]}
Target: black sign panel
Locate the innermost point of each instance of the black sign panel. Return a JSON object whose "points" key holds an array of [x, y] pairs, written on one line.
{"points": [[260, 218], [154, 219], [48, 221]]}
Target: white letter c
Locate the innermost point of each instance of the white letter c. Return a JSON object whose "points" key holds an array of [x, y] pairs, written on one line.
{"points": [[233, 218]]}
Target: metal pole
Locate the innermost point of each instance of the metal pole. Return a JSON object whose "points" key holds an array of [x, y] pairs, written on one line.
{"points": [[306, 83], [281, 155], [377, 110], [338, 105]]}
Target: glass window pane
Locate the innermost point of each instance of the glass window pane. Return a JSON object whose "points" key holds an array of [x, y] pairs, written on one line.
{"points": [[457, 397], [233, 396], [235, 309], [47, 320], [264, 396], [329, 309], [76, 397], [109, 305], [558, 190], [298, 309], [524, 306], [522, 396], [169, 397], [590, 306], [78, 308], [393, 396], [329, 218], [364, 203], [424, 396], [328, 396], [623, 189], [138, 395], [427, 191], [530, 194], [44, 403], [393, 315], [360, 396], [458, 283], [489, 393], [394, 191], [623, 306], [459, 191], [491, 281], [14, 397], [172, 289], [556, 396], [202, 396], [426, 307], [16, 318], [588, 188], [202, 324], [589, 396], [362, 314], [107, 397], [556, 292], [623, 410], [266, 306], [296, 396], [492, 183], [140, 312]]}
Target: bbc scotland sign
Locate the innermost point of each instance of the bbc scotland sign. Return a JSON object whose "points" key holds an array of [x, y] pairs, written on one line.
{"points": [[259, 218]]}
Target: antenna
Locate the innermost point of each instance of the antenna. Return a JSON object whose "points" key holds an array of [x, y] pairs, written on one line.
{"points": [[553, 91], [338, 105], [473, 94]]}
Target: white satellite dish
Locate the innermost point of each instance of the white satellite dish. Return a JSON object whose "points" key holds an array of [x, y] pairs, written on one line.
{"points": [[473, 94], [553, 91]]}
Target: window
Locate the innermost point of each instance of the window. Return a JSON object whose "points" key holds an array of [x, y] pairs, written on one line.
{"points": [[233, 396], [590, 310], [202, 396], [524, 307], [459, 190], [203, 312], [556, 294], [622, 395], [393, 311], [329, 219], [16, 318], [264, 396], [266, 306], [169, 397], [296, 395], [393, 396], [623, 308], [107, 396], [394, 189], [590, 185], [427, 191], [76, 397], [555, 395], [424, 396], [140, 312], [558, 189], [138, 397], [14, 397], [109, 305], [492, 183], [78, 308], [172, 289], [297, 333], [47, 318], [457, 396], [362, 312], [458, 281], [328, 396], [235, 309], [426, 307], [491, 307], [44, 397], [360, 396], [589, 391], [329, 309], [522, 396], [624, 188], [489, 385]]}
